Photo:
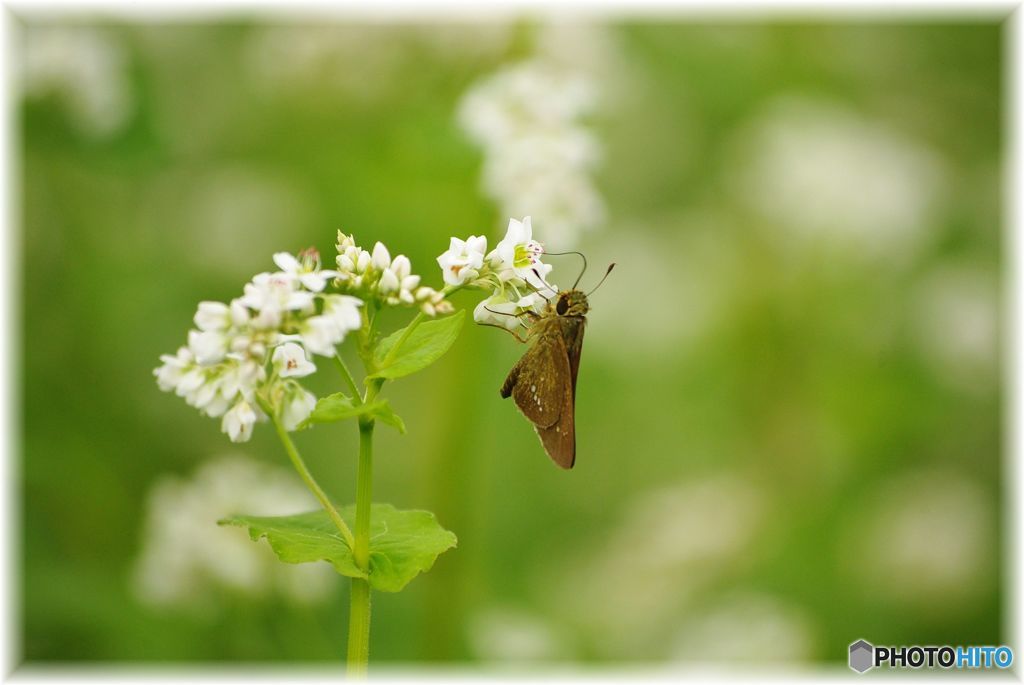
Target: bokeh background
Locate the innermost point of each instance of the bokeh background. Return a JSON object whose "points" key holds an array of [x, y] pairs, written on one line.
{"points": [[789, 414]]}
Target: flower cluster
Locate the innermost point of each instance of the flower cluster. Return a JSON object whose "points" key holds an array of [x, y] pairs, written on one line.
{"points": [[187, 562], [375, 276], [537, 155], [282, 318], [244, 359], [513, 270]]}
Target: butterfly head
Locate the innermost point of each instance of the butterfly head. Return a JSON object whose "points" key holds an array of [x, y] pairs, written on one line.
{"points": [[572, 303]]}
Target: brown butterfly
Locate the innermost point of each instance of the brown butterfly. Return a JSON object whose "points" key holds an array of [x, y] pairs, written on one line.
{"points": [[543, 381]]}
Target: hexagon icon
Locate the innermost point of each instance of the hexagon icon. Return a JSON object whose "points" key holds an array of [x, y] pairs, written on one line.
{"points": [[862, 656]]}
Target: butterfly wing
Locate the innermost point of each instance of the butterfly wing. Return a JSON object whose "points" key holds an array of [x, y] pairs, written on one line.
{"points": [[560, 439], [542, 386], [572, 333]]}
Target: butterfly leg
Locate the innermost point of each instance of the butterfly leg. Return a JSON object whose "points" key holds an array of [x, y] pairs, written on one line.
{"points": [[514, 334]]}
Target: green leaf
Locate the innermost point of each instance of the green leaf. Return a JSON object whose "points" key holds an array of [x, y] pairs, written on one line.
{"points": [[403, 544], [385, 414], [424, 346], [339, 406], [336, 407]]}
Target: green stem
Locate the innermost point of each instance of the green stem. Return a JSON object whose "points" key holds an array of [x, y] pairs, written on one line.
{"points": [[347, 375], [307, 477], [359, 610]]}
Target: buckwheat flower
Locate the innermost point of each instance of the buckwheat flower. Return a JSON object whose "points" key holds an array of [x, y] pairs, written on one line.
{"points": [[273, 294], [320, 335], [169, 374], [407, 281], [538, 156], [499, 310], [518, 255], [85, 68], [290, 361], [381, 256], [209, 347], [344, 311], [212, 316], [239, 421], [306, 268], [376, 276], [463, 259], [432, 302], [296, 406], [241, 378], [187, 563]]}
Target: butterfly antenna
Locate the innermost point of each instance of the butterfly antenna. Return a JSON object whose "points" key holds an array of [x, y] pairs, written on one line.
{"points": [[610, 267], [541, 279], [582, 271]]}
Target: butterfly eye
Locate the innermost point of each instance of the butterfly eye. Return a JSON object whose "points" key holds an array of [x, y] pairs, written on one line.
{"points": [[563, 306]]}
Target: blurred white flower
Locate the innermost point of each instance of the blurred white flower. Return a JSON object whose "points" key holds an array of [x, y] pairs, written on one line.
{"points": [[272, 296], [290, 361], [537, 156], [296, 406], [957, 320], [83, 66], [670, 543], [826, 176], [361, 61], [925, 538], [238, 422], [321, 335], [208, 347], [187, 561], [517, 636], [682, 253], [344, 311], [463, 259], [754, 629], [213, 316]]}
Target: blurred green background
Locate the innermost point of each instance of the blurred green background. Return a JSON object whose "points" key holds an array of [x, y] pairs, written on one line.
{"points": [[789, 415]]}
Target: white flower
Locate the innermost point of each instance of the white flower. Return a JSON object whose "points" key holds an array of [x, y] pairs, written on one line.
{"points": [[222, 370], [382, 278], [169, 374], [320, 334], [296, 407], [87, 69], [518, 255], [463, 259], [290, 361], [537, 156], [307, 271], [242, 378], [389, 282], [273, 294], [498, 310], [829, 178], [239, 421], [212, 316], [432, 301], [381, 256], [189, 563], [209, 347], [344, 311]]}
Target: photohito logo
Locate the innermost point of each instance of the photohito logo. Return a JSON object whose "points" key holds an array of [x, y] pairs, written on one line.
{"points": [[864, 656]]}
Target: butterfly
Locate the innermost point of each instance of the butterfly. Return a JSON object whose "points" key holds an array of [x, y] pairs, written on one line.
{"points": [[543, 381]]}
